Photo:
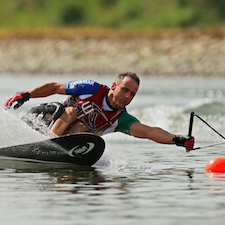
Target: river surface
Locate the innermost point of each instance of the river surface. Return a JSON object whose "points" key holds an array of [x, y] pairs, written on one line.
{"points": [[136, 181]]}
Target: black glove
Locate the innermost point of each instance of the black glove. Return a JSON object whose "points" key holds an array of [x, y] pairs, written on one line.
{"points": [[20, 97], [184, 141]]}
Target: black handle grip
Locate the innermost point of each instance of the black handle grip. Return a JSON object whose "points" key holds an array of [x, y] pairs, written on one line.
{"points": [[191, 123]]}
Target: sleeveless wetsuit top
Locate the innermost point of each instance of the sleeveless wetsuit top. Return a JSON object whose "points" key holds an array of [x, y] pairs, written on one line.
{"points": [[90, 111]]}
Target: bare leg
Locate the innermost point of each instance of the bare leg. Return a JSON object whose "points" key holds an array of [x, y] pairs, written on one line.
{"points": [[66, 119], [77, 127]]}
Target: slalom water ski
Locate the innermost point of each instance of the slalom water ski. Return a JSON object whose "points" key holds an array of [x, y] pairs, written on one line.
{"points": [[81, 149]]}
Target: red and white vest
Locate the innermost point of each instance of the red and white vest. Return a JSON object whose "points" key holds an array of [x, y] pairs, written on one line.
{"points": [[90, 112]]}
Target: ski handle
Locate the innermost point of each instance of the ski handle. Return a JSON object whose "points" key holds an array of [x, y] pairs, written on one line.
{"points": [[190, 132], [190, 126], [191, 123]]}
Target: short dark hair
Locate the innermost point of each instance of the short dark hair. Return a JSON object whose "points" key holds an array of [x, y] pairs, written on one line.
{"points": [[134, 77]]}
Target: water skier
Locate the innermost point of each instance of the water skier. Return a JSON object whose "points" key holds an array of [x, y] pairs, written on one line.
{"points": [[92, 107]]}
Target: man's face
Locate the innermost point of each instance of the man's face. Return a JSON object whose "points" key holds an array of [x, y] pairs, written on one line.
{"points": [[123, 92]]}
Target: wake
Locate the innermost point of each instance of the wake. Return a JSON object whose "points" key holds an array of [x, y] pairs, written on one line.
{"points": [[14, 131]]}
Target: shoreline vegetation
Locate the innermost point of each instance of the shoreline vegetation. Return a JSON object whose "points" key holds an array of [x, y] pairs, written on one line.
{"points": [[102, 33], [103, 51]]}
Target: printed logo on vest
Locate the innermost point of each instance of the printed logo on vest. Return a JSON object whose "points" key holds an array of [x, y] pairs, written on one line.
{"points": [[86, 108]]}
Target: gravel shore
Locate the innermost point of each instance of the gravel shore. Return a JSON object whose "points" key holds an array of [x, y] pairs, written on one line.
{"points": [[171, 56]]}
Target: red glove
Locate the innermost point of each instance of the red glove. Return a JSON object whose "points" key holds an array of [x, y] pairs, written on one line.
{"points": [[185, 141], [20, 97]]}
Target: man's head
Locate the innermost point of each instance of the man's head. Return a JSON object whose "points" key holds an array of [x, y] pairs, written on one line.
{"points": [[123, 89], [133, 76]]}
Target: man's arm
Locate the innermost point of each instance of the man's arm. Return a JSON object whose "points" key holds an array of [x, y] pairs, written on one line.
{"points": [[47, 89], [161, 136], [153, 133], [43, 90]]}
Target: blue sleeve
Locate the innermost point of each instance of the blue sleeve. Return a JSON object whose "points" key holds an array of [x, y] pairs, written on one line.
{"points": [[81, 87]]}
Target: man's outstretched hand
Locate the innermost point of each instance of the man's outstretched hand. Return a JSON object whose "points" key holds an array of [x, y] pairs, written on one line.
{"points": [[185, 141], [19, 97]]}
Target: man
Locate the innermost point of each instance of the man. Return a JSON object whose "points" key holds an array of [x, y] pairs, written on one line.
{"points": [[91, 107]]}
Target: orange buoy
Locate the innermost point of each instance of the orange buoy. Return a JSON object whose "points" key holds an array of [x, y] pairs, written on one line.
{"points": [[215, 165]]}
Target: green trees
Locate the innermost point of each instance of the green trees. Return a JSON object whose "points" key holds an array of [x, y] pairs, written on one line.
{"points": [[112, 13]]}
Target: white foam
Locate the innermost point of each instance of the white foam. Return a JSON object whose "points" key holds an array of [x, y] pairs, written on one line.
{"points": [[14, 131]]}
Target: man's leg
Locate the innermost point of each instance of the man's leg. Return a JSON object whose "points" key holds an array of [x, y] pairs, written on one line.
{"points": [[66, 119], [41, 117], [77, 127]]}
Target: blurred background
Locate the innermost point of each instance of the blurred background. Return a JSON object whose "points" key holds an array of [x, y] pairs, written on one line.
{"points": [[178, 47], [164, 37]]}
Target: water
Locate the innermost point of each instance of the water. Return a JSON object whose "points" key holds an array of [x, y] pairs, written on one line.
{"points": [[136, 181]]}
